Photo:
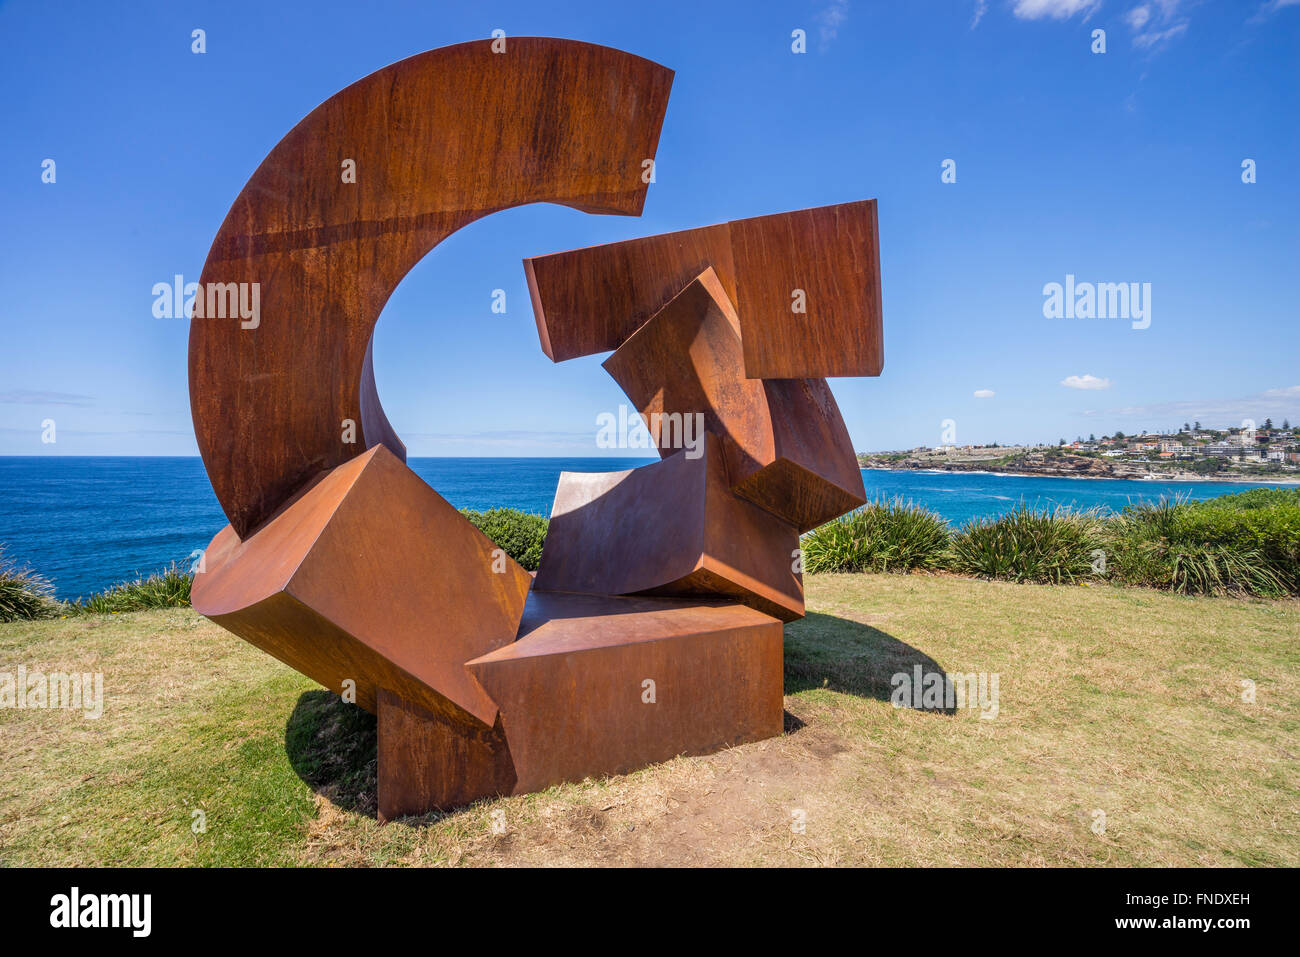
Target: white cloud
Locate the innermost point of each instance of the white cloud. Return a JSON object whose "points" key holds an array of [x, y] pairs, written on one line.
{"points": [[1217, 413], [981, 8], [1085, 382], [984, 393], [1153, 37], [1056, 9], [1137, 17], [829, 21], [1155, 23], [1271, 7]]}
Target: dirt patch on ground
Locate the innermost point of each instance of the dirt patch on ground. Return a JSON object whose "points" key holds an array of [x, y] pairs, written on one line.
{"points": [[736, 807]]}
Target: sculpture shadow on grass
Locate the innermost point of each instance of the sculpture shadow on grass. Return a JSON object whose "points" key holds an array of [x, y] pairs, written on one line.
{"points": [[823, 651], [332, 748], [332, 744]]}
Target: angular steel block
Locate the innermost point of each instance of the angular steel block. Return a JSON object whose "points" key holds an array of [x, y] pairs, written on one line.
{"points": [[600, 685], [426, 763], [825, 261], [785, 445], [671, 528], [594, 685], [370, 575]]}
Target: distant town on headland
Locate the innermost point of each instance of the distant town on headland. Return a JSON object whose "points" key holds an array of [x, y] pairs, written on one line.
{"points": [[1192, 453]]}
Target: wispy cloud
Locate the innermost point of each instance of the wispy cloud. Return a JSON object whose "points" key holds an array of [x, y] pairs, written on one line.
{"points": [[1269, 8], [1153, 23], [1277, 404], [829, 21], [1153, 38], [1137, 17], [981, 8], [1054, 9], [984, 393], [37, 397], [1156, 23], [1085, 382]]}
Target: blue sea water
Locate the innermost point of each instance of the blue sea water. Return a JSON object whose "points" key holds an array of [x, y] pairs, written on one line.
{"points": [[87, 523]]}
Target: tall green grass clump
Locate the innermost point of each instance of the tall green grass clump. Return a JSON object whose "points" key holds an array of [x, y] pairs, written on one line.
{"points": [[1030, 545], [886, 535], [520, 534], [1242, 544], [169, 588], [24, 595]]}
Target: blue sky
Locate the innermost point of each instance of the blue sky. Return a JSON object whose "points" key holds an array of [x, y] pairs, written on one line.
{"points": [[1122, 166]]}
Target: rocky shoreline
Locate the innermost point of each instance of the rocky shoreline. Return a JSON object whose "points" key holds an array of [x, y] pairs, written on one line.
{"points": [[1086, 469]]}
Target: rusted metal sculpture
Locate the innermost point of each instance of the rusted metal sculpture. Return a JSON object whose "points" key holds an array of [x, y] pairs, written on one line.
{"points": [[358, 193], [590, 300], [787, 449], [653, 627], [671, 528]]}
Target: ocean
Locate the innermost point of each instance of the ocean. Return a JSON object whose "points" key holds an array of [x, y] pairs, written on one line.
{"points": [[87, 523]]}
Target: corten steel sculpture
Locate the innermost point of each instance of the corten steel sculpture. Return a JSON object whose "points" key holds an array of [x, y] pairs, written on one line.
{"points": [[653, 627]]}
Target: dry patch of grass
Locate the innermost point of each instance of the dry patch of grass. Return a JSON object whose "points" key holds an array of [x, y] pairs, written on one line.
{"points": [[1125, 702]]}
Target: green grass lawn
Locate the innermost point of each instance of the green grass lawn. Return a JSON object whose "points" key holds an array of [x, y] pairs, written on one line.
{"points": [[1125, 703]]}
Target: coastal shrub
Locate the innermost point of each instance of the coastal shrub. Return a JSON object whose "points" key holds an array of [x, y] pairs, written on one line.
{"points": [[1254, 498], [1193, 569], [520, 534], [1248, 543], [169, 588], [1030, 545], [1242, 544], [24, 595], [886, 535]]}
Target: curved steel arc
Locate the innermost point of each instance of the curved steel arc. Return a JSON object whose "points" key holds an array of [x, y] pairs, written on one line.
{"points": [[351, 199]]}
